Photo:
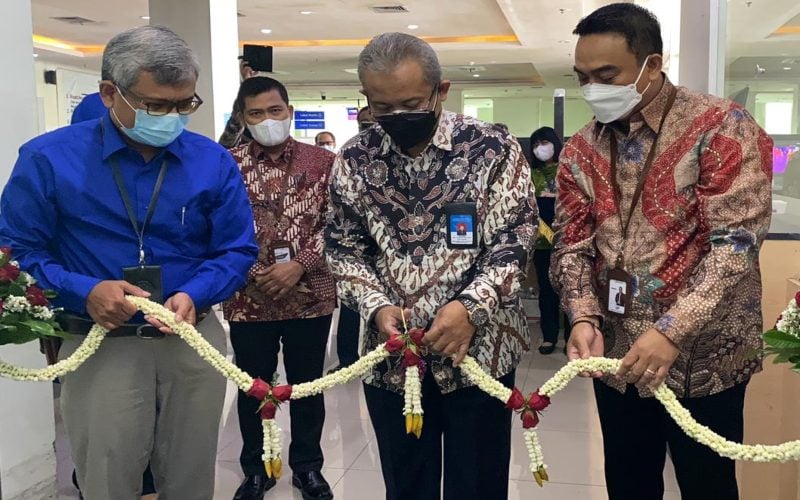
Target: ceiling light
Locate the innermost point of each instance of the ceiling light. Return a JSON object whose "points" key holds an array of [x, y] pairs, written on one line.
{"points": [[476, 75], [35, 54], [144, 18], [413, 26], [306, 12], [266, 31], [472, 63], [787, 68]]}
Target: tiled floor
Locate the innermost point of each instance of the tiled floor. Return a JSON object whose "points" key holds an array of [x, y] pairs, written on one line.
{"points": [[570, 437]]}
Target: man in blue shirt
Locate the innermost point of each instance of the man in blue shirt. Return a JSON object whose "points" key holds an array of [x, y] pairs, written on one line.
{"points": [[90, 107], [135, 196]]}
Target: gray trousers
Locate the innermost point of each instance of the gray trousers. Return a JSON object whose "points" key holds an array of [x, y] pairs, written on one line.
{"points": [[138, 401]]}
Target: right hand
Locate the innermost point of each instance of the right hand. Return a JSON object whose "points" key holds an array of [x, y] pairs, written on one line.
{"points": [[585, 341], [107, 305], [389, 320]]}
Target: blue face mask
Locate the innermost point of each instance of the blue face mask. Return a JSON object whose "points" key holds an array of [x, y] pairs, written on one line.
{"points": [[156, 131]]}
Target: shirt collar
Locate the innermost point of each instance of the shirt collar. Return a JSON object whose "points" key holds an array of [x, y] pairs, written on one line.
{"points": [[260, 153], [652, 113], [114, 142]]}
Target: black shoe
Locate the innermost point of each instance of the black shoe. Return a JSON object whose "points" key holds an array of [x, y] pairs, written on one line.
{"points": [[547, 349], [312, 485], [254, 486]]}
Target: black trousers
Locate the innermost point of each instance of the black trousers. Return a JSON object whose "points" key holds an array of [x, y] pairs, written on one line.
{"points": [[637, 432], [469, 426], [548, 299], [256, 346], [347, 336]]}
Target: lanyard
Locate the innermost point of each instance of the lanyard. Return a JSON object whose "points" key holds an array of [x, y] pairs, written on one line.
{"points": [[129, 206], [637, 194]]}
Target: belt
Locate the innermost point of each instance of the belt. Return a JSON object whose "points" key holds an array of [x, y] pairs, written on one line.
{"points": [[81, 326]]}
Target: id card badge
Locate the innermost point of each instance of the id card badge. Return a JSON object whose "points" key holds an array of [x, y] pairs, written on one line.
{"points": [[462, 225], [281, 251], [148, 278], [619, 292]]}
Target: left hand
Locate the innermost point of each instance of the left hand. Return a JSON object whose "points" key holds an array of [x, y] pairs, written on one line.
{"points": [[451, 332], [280, 279], [183, 307], [649, 360]]}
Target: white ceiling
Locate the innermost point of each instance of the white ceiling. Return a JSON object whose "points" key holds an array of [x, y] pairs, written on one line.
{"points": [[543, 55]]}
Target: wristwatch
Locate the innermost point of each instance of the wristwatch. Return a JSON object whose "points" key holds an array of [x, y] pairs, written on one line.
{"points": [[478, 315]]}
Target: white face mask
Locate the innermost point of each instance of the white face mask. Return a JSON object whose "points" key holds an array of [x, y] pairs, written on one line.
{"points": [[270, 132], [544, 152], [330, 148], [613, 102]]}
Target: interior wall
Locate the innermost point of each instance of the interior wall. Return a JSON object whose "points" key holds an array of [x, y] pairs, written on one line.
{"points": [[772, 403]]}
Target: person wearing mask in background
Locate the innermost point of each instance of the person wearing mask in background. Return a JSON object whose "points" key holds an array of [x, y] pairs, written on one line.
{"points": [[93, 209], [399, 192], [235, 132], [663, 203], [290, 294], [326, 140], [546, 148], [365, 119]]}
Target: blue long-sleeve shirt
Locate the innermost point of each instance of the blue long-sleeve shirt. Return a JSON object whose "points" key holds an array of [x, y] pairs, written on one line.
{"points": [[62, 214], [90, 107]]}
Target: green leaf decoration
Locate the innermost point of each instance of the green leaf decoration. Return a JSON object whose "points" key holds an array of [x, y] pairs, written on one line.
{"points": [[781, 340], [39, 327]]}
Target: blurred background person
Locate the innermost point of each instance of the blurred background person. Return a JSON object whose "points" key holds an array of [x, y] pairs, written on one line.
{"points": [[545, 150], [326, 140], [365, 119]]}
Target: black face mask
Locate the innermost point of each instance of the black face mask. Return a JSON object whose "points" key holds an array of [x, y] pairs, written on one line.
{"points": [[364, 126], [409, 128]]}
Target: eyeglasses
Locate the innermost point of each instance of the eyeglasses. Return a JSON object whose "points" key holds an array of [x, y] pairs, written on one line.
{"points": [[387, 112], [156, 107]]}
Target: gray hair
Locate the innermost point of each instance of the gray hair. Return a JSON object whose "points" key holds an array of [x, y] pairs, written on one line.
{"points": [[384, 52], [154, 49]]}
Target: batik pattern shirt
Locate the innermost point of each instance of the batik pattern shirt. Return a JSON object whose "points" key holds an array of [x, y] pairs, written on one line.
{"points": [[289, 198], [693, 241], [387, 237]]}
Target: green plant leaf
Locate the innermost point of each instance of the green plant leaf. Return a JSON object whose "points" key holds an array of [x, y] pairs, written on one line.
{"points": [[16, 289], [781, 340], [10, 334], [39, 327]]}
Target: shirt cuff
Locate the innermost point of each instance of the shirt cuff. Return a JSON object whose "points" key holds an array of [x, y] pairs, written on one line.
{"points": [[582, 307], [195, 291], [79, 288], [308, 259], [369, 305], [255, 270], [482, 293], [670, 326]]}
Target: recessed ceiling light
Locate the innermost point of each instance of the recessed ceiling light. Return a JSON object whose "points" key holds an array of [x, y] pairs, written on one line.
{"points": [[476, 75], [35, 54], [144, 18], [787, 68], [413, 26], [266, 31], [306, 12], [472, 63]]}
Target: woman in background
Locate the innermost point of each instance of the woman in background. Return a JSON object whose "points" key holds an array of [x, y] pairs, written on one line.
{"points": [[545, 150]]}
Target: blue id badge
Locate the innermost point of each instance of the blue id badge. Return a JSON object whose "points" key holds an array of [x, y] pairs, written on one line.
{"points": [[462, 225]]}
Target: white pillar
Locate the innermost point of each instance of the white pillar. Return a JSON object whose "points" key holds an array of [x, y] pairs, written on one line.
{"points": [[210, 27], [27, 427], [702, 45]]}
